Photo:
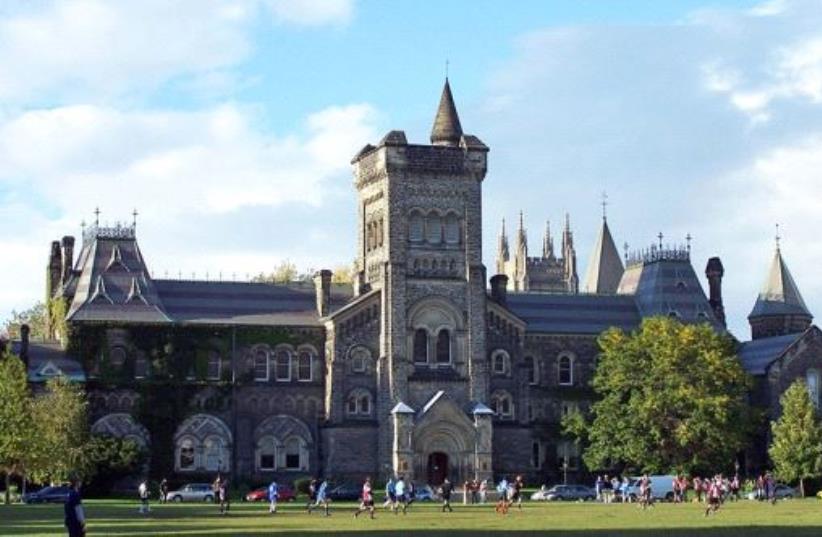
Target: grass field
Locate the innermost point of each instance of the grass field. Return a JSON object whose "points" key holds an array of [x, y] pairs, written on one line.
{"points": [[793, 518]]}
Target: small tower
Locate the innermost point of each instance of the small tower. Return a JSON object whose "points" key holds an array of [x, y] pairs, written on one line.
{"points": [[569, 255], [779, 309], [503, 255], [714, 271], [548, 242]]}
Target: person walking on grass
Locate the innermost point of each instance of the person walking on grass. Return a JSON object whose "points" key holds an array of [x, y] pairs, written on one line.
{"points": [[366, 500], [516, 497], [273, 496], [502, 502], [322, 498], [312, 494], [75, 516], [390, 495], [142, 492], [222, 492], [445, 491], [401, 490], [646, 499], [164, 490], [714, 495]]}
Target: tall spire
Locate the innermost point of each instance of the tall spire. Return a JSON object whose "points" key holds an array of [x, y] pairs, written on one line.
{"points": [[779, 308], [605, 266], [447, 129], [547, 242], [503, 254]]}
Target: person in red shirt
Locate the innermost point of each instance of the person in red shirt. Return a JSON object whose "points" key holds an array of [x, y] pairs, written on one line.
{"points": [[714, 494], [367, 499]]}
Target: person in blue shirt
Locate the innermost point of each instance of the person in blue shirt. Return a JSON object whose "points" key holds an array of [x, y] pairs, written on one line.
{"points": [[273, 494], [75, 517], [390, 495], [502, 503], [401, 494], [322, 497]]}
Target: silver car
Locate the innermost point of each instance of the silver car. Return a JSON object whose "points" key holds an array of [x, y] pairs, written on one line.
{"points": [[193, 492]]}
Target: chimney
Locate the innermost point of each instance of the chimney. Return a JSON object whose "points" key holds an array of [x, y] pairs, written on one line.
{"points": [[24, 344], [499, 289], [54, 274], [714, 272], [322, 284], [68, 258]]}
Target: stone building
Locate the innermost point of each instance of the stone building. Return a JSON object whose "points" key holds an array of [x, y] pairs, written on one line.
{"points": [[418, 368]]}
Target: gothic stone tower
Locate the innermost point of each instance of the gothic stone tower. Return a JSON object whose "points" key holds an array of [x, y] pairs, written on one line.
{"points": [[420, 245]]}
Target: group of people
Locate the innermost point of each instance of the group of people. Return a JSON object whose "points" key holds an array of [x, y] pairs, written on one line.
{"points": [[399, 494], [475, 491], [509, 493]]}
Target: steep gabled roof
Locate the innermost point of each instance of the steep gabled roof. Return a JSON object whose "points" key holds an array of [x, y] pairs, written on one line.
{"points": [[605, 266], [779, 294], [447, 129]]}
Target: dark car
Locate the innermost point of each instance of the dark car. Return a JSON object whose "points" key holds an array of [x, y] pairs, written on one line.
{"points": [[285, 494], [48, 495], [564, 493], [345, 492]]}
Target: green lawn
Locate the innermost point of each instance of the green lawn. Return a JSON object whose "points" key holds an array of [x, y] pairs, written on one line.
{"points": [[794, 518]]}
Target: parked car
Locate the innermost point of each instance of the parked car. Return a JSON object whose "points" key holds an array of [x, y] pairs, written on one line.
{"points": [[564, 493], [662, 487], [286, 494], [345, 492], [782, 492], [57, 494], [192, 492]]}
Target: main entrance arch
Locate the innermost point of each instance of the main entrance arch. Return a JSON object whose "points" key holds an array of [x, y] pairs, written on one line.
{"points": [[437, 467]]}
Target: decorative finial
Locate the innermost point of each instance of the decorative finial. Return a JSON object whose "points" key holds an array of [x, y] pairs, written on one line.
{"points": [[134, 215], [446, 68], [97, 216], [625, 247], [777, 237], [521, 225], [567, 221], [503, 225], [660, 237], [604, 205], [688, 239]]}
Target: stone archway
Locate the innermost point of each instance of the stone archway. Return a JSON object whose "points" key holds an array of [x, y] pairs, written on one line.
{"points": [[438, 468]]}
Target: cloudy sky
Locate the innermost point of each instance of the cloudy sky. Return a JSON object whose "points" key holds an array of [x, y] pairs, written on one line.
{"points": [[229, 125]]}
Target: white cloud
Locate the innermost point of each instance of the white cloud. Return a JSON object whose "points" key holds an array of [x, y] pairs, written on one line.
{"points": [[108, 49]]}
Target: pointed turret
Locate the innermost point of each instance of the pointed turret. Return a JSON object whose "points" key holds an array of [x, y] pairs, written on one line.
{"points": [[447, 129], [547, 242], [569, 257], [605, 266], [779, 308], [503, 254]]}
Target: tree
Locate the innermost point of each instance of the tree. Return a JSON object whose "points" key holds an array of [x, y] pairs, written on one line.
{"points": [[60, 447], [671, 397], [15, 418], [796, 448], [36, 317], [285, 272], [344, 274]]}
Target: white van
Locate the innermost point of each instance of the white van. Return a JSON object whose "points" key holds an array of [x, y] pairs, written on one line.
{"points": [[662, 487]]}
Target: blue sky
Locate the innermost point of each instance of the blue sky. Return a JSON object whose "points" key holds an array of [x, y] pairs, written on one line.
{"points": [[229, 125]]}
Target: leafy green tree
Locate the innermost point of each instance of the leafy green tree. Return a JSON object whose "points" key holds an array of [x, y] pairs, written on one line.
{"points": [[671, 397], [796, 448], [15, 419], [36, 317], [60, 447], [111, 458]]}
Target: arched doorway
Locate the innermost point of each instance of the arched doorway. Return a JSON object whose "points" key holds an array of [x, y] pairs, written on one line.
{"points": [[437, 467]]}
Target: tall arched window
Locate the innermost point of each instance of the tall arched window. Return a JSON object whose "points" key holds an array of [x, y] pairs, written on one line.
{"points": [[433, 228], [305, 368], [118, 356], [499, 362], [293, 452], [812, 380], [261, 365], [214, 454], [565, 370], [140, 366], [267, 454], [452, 229], [282, 366], [416, 227], [359, 360], [444, 347], [421, 346], [358, 403], [531, 373]]}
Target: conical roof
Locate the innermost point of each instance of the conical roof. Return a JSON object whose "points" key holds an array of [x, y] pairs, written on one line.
{"points": [[605, 266], [779, 294], [447, 129]]}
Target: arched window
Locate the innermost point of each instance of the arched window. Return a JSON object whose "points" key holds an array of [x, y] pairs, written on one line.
{"points": [[565, 370], [214, 454], [118, 356], [140, 366], [812, 380], [452, 229], [186, 460], [503, 405], [261, 365], [358, 404], [305, 369], [359, 360], [214, 365], [433, 228], [416, 227], [444, 347], [531, 373], [282, 366], [421, 346], [499, 362], [267, 454], [293, 454]]}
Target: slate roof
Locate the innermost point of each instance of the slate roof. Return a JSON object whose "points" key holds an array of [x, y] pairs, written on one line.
{"points": [[605, 266], [49, 357], [780, 294], [200, 302], [447, 129], [757, 355], [574, 314]]}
